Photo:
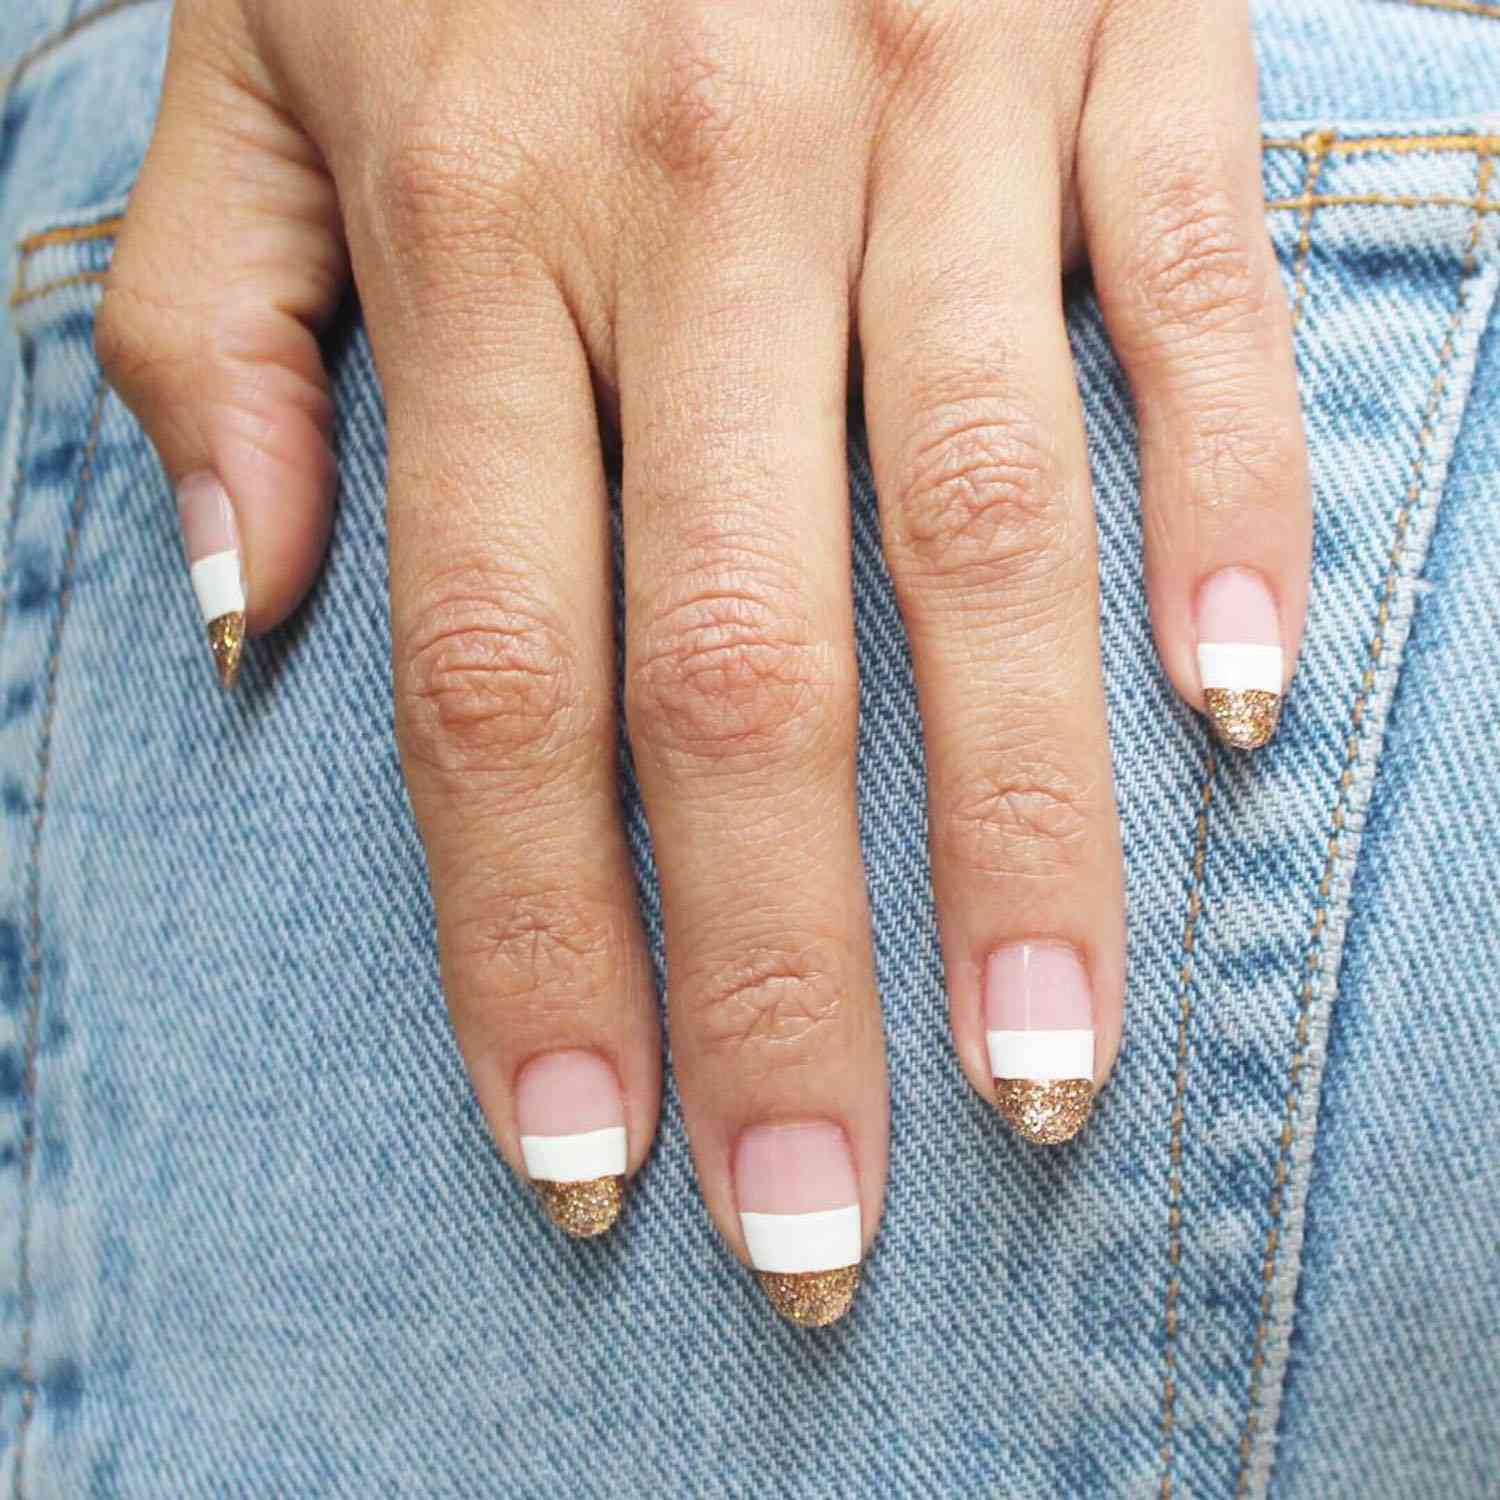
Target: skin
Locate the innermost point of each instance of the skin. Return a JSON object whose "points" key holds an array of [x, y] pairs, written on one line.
{"points": [[686, 225]]}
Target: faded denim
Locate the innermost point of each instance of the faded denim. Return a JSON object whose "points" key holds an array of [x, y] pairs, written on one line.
{"points": [[253, 1238]]}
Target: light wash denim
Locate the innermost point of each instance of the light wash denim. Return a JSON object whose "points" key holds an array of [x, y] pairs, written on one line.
{"points": [[254, 1240]]}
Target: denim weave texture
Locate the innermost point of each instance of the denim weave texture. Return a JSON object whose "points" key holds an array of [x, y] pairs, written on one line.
{"points": [[254, 1240]]}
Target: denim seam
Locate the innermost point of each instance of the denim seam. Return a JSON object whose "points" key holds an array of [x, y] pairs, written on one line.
{"points": [[1460, 7], [1286, 1206], [1388, 200], [1179, 1095], [21, 296], [69, 234], [27, 1292], [1317, 147], [1394, 145], [98, 224]]}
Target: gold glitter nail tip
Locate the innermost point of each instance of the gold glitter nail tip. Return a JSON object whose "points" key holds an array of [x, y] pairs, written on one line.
{"points": [[811, 1299], [226, 639], [1245, 718], [583, 1209], [1046, 1113]]}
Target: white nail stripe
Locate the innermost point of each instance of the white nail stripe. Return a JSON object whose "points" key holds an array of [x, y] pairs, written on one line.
{"points": [[1241, 668], [793, 1243], [218, 585], [575, 1158], [1041, 1055]]}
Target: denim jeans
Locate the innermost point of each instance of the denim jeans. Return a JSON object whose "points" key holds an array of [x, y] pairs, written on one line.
{"points": [[254, 1240]]}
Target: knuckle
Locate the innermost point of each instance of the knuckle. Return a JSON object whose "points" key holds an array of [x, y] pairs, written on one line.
{"points": [[699, 110], [1021, 822], [1240, 458], [978, 502], [912, 43], [545, 944], [493, 681], [769, 1003], [728, 672], [1197, 268], [448, 181]]}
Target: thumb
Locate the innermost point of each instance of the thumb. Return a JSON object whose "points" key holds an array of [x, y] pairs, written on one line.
{"points": [[230, 259]]}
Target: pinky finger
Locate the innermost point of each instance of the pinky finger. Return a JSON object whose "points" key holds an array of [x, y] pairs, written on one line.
{"points": [[1172, 207]]}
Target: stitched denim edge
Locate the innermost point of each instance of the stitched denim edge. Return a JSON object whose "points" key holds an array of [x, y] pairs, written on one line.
{"points": [[1484, 8], [1185, 993]]}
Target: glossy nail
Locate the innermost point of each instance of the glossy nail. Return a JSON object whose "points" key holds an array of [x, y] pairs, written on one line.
{"points": [[1239, 657], [799, 1212], [211, 539], [1038, 1016], [572, 1123]]}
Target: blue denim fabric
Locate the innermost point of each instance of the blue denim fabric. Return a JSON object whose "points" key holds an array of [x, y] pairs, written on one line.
{"points": [[253, 1238]]}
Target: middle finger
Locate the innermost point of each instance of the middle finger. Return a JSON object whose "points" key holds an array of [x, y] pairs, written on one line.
{"points": [[977, 441], [741, 700]]}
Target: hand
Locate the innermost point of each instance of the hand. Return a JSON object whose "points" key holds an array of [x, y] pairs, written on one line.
{"points": [[677, 217]]}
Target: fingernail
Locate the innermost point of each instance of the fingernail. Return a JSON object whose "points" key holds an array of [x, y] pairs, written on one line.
{"points": [[1038, 1016], [1239, 657], [799, 1211], [572, 1123], [212, 541]]}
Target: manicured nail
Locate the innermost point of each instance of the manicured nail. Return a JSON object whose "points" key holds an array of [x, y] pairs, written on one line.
{"points": [[799, 1210], [1239, 657], [212, 541], [572, 1123], [1038, 1016]]}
